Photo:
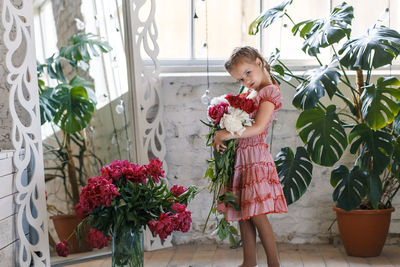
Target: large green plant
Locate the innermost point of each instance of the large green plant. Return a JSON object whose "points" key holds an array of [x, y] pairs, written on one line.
{"points": [[69, 104], [371, 112]]}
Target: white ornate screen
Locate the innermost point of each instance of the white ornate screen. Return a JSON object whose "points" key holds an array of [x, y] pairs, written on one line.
{"points": [[26, 136], [144, 89]]}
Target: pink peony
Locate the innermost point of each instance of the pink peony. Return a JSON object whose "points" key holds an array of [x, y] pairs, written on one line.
{"points": [[216, 112], [182, 217], [98, 192], [154, 169], [118, 169], [177, 190], [97, 239], [164, 226], [62, 248]]}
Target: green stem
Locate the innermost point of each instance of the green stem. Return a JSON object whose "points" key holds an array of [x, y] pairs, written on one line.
{"points": [[290, 18], [349, 116]]}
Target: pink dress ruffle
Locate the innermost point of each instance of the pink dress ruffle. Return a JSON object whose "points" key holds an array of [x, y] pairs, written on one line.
{"points": [[255, 180]]}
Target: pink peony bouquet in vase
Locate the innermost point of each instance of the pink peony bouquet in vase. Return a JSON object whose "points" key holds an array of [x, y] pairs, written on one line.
{"points": [[230, 112], [122, 201]]}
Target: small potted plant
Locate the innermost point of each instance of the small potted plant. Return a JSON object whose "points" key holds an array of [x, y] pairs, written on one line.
{"points": [[370, 122], [68, 102], [122, 201]]}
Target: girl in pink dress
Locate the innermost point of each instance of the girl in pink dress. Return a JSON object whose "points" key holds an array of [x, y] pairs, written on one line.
{"points": [[255, 181]]}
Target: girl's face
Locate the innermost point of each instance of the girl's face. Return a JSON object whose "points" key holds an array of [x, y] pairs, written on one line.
{"points": [[251, 75]]}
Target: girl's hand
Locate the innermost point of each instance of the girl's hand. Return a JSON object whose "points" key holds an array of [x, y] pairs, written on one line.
{"points": [[218, 142]]}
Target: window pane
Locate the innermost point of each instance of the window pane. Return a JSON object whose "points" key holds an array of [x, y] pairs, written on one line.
{"points": [[173, 23], [228, 23], [279, 34]]}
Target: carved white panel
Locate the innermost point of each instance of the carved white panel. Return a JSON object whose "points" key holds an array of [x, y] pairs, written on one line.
{"points": [[18, 38], [144, 92]]}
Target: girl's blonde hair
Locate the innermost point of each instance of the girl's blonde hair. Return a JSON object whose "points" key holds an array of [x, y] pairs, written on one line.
{"points": [[248, 54]]}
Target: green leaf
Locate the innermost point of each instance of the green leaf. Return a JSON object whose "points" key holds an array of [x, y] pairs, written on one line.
{"points": [[295, 172], [327, 31], [377, 48], [78, 48], [268, 17], [374, 189], [47, 104], [323, 133], [376, 146], [378, 105], [352, 187], [318, 80]]}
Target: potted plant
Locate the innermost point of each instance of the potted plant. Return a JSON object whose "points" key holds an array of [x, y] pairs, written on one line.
{"points": [[122, 201], [369, 123], [68, 102]]}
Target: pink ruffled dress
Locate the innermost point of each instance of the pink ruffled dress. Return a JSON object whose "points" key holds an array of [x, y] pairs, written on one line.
{"points": [[255, 180]]}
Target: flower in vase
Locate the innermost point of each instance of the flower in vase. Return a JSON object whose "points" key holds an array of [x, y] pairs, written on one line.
{"points": [[99, 191], [81, 212], [123, 168], [97, 239], [164, 226], [182, 217], [177, 190], [154, 169], [62, 248]]}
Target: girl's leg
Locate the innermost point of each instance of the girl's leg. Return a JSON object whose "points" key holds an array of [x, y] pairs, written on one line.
{"points": [[266, 234], [248, 235]]}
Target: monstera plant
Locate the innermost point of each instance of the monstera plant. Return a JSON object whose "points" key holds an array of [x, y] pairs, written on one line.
{"points": [[367, 120]]}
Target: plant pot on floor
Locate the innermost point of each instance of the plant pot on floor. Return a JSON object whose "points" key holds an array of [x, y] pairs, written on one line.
{"points": [[65, 224], [363, 232]]}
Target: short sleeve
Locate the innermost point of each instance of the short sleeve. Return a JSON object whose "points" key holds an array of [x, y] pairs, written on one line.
{"points": [[270, 93]]}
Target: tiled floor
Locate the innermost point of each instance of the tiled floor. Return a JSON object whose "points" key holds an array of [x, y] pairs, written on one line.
{"points": [[290, 256]]}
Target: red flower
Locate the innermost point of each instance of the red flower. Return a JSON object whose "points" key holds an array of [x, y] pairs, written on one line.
{"points": [[98, 192], [97, 239], [81, 212], [217, 112], [182, 217], [247, 105], [118, 169], [163, 227], [154, 169], [62, 248], [177, 190], [178, 207], [183, 221]]}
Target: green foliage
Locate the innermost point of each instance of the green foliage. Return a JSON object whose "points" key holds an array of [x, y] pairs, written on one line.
{"points": [[375, 49], [350, 187], [295, 172], [378, 105], [313, 88], [269, 16], [326, 31], [323, 133]]}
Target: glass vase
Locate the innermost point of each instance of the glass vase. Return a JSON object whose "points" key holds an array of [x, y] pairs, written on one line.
{"points": [[127, 247]]}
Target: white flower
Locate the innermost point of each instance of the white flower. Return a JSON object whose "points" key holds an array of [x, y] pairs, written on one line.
{"points": [[235, 120], [217, 100], [252, 94]]}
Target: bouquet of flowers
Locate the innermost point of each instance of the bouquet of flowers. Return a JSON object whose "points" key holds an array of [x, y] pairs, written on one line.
{"points": [[230, 112], [123, 200]]}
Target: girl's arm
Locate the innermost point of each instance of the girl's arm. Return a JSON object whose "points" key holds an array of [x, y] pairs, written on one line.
{"points": [[262, 118]]}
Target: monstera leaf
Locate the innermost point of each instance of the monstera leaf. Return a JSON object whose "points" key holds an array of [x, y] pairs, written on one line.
{"points": [[350, 187], [396, 160], [379, 108], [266, 19], [295, 172], [323, 134], [381, 45], [376, 146], [318, 80], [396, 124], [79, 48], [324, 32], [47, 104], [77, 104]]}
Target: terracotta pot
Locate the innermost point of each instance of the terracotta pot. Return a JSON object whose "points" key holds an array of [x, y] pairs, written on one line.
{"points": [[363, 232], [65, 225]]}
